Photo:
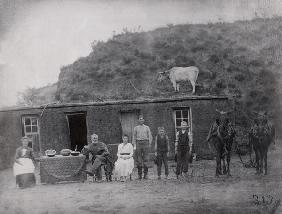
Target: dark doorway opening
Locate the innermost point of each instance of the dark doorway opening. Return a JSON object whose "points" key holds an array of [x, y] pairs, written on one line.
{"points": [[77, 130]]}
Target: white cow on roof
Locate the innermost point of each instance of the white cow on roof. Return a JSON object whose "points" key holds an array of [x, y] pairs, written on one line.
{"points": [[177, 74]]}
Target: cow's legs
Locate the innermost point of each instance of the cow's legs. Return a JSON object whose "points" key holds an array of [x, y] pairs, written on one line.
{"points": [[177, 86], [174, 84], [193, 86]]}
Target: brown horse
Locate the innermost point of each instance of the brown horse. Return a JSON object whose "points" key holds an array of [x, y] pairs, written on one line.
{"points": [[219, 148], [223, 146], [260, 139], [228, 141]]}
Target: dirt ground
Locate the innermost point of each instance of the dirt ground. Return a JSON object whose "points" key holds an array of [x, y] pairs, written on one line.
{"points": [[200, 193]]}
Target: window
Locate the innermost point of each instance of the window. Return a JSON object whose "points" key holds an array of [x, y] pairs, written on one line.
{"points": [[30, 126], [182, 114]]}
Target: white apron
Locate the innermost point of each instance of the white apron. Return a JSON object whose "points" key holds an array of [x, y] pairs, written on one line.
{"points": [[26, 167]]}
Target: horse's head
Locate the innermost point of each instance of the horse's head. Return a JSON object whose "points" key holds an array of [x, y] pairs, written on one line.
{"points": [[231, 133], [262, 134]]}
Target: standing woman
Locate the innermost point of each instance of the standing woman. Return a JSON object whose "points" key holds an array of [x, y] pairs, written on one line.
{"points": [[24, 165], [125, 163]]}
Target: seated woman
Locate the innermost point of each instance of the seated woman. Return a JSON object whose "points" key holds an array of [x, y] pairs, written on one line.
{"points": [[24, 165], [125, 163]]}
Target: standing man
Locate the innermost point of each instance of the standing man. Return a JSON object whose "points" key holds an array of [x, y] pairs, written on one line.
{"points": [[142, 140], [183, 149]]}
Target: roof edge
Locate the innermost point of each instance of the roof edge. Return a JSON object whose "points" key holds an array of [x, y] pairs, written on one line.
{"points": [[115, 102]]}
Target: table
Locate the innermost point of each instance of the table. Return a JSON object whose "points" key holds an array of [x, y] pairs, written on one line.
{"points": [[62, 169]]}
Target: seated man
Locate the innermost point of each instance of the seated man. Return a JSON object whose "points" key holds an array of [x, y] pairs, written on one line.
{"points": [[97, 155]]}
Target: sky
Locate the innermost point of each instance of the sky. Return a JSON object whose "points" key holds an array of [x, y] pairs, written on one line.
{"points": [[38, 37]]}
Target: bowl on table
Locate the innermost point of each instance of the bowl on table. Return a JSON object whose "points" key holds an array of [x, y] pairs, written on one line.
{"points": [[50, 153], [75, 153], [65, 152]]}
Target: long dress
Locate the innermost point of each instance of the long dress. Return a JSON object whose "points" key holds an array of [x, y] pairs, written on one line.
{"points": [[24, 168], [124, 167]]}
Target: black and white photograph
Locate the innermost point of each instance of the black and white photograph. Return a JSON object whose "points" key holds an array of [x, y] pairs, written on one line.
{"points": [[140, 106]]}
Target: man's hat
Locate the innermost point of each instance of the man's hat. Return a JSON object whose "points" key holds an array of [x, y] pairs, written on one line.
{"points": [[184, 124]]}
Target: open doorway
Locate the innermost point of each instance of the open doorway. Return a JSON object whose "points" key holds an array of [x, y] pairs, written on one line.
{"points": [[77, 130]]}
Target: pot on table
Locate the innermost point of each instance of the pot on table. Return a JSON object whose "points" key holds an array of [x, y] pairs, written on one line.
{"points": [[75, 153], [50, 152], [65, 152]]}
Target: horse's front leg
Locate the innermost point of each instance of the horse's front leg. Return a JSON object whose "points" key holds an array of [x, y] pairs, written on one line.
{"points": [[261, 162], [228, 163], [250, 152], [265, 163], [257, 161], [224, 165], [218, 164]]}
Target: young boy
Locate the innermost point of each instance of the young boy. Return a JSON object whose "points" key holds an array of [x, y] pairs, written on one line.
{"points": [[162, 150]]}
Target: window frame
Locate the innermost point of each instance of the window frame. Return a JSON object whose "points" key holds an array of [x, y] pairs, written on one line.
{"points": [[189, 118], [31, 133]]}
